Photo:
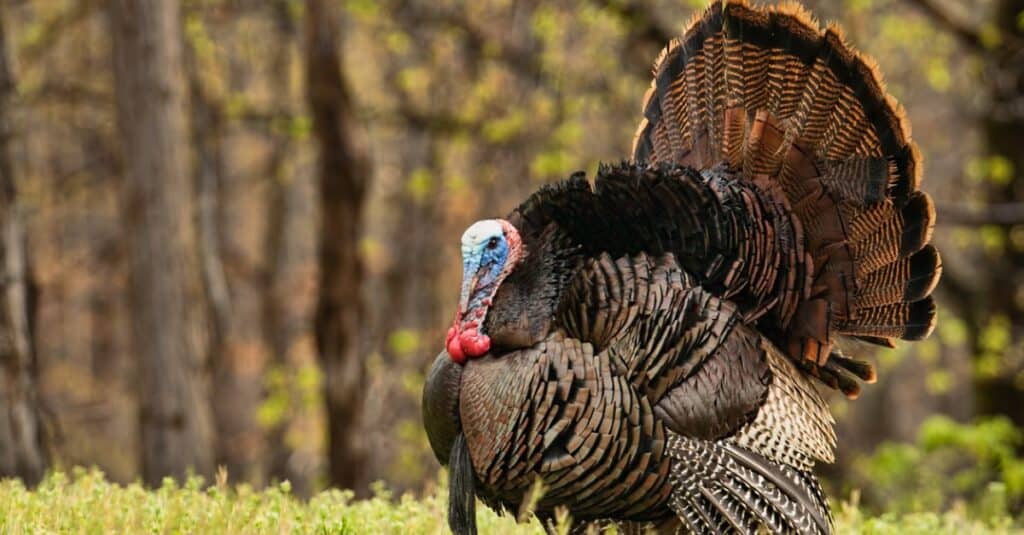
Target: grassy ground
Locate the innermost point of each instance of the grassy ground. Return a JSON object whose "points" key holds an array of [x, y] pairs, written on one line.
{"points": [[86, 503]]}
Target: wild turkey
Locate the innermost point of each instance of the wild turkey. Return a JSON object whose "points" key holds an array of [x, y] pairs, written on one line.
{"points": [[646, 345]]}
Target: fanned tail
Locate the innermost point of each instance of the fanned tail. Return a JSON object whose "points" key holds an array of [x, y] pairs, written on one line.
{"points": [[794, 108]]}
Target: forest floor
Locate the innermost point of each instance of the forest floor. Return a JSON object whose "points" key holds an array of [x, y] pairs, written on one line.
{"points": [[85, 502]]}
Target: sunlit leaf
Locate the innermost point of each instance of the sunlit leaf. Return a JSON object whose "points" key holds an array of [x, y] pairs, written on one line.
{"points": [[502, 129], [938, 74], [993, 238], [990, 36], [420, 184], [939, 381], [404, 341], [952, 331]]}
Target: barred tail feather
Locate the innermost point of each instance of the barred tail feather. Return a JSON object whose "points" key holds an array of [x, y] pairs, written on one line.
{"points": [[768, 92], [720, 487]]}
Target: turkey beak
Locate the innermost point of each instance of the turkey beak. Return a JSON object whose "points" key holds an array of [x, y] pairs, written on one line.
{"points": [[471, 274], [468, 285]]}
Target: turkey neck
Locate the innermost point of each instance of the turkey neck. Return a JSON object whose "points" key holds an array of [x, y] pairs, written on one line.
{"points": [[524, 306]]}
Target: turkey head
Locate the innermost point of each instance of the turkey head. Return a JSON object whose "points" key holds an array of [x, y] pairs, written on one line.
{"points": [[511, 286]]}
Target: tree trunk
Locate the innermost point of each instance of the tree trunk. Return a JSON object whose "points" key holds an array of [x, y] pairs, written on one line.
{"points": [[22, 451], [1003, 127], [234, 358], [284, 316], [158, 212], [344, 176]]}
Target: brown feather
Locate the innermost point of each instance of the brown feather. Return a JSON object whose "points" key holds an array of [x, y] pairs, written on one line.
{"points": [[766, 91]]}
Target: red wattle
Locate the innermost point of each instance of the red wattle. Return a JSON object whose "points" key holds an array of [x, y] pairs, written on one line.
{"points": [[464, 340], [454, 346], [473, 343]]}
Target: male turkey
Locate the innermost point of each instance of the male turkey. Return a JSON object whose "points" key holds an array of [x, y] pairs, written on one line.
{"points": [[646, 345]]}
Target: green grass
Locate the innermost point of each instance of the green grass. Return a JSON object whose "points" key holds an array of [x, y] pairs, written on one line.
{"points": [[85, 502]]}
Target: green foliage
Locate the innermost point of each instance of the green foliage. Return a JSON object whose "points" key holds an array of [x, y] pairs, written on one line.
{"points": [[938, 73], [950, 463], [363, 9], [504, 128], [990, 35], [995, 169], [404, 342], [994, 340], [292, 392], [952, 331], [85, 502], [419, 186], [297, 127], [852, 520]]}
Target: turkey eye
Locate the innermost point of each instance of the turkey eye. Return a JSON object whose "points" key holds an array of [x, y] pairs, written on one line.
{"points": [[492, 243]]}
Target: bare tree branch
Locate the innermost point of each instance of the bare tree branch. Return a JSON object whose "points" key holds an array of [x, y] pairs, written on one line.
{"points": [[1010, 213], [964, 33], [644, 27], [957, 292], [57, 27], [68, 91], [511, 54]]}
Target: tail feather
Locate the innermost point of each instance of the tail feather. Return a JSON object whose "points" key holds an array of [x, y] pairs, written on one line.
{"points": [[730, 510], [780, 510], [918, 222], [880, 235], [842, 373], [904, 281], [720, 487], [696, 513], [863, 370], [909, 321], [770, 94], [760, 503]]}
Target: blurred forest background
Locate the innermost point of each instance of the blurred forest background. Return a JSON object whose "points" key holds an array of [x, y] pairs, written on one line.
{"points": [[229, 228]]}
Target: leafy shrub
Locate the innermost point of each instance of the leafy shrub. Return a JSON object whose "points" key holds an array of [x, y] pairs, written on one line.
{"points": [[977, 464], [85, 502]]}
